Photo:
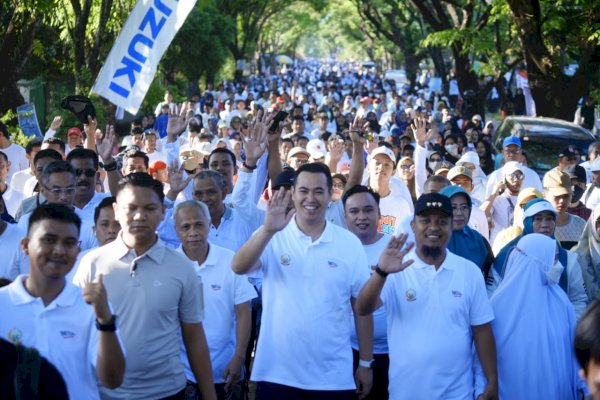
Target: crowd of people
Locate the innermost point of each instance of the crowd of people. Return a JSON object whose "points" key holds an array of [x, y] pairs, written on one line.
{"points": [[321, 232]]}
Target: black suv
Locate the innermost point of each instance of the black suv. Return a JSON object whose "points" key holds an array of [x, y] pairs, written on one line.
{"points": [[543, 138]]}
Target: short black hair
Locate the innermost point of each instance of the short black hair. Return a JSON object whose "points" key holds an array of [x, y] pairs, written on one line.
{"points": [[47, 153], [142, 179], [31, 144], [286, 140], [54, 212], [55, 140], [222, 150], [587, 339], [137, 154], [56, 167], [83, 154], [315, 168], [104, 203], [211, 174], [356, 189]]}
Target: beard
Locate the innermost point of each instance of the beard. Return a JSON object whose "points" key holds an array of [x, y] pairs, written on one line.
{"points": [[431, 251]]}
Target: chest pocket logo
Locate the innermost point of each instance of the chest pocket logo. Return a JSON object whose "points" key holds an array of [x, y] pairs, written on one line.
{"points": [[411, 295], [215, 287], [67, 334], [285, 259], [456, 293]]}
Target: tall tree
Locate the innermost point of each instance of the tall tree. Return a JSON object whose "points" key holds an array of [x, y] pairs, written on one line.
{"points": [[554, 34]]}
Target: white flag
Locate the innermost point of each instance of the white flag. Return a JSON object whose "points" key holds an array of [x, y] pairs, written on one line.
{"points": [[132, 62]]}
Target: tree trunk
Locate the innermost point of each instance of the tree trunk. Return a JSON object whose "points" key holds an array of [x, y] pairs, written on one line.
{"points": [[467, 82], [441, 69], [412, 67]]}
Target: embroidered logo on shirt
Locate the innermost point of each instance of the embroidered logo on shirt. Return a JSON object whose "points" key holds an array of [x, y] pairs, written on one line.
{"points": [[215, 287], [15, 336], [411, 295], [285, 259], [456, 293], [157, 283], [332, 264], [67, 334]]}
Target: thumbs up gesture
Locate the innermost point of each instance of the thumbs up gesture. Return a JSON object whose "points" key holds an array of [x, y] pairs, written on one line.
{"points": [[94, 293]]}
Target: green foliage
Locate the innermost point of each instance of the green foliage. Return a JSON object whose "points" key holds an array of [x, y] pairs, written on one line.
{"points": [[200, 47], [17, 135]]}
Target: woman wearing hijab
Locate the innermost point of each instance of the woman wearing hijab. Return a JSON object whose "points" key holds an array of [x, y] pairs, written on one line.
{"points": [[466, 241], [486, 159], [588, 254], [470, 160], [540, 217], [534, 325]]}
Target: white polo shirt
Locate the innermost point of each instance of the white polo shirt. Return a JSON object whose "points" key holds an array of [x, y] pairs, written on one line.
{"points": [[304, 337], [380, 345], [430, 314], [12, 200], [222, 290], [10, 245], [64, 332]]}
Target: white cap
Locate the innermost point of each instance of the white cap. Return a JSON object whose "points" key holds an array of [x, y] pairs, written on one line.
{"points": [[316, 146], [511, 167], [385, 151], [538, 208]]}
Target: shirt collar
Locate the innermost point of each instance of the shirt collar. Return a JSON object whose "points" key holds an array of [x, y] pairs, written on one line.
{"points": [[156, 252], [211, 258], [20, 295], [326, 236], [420, 264]]}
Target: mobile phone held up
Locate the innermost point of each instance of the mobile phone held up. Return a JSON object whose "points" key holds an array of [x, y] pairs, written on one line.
{"points": [[279, 118]]}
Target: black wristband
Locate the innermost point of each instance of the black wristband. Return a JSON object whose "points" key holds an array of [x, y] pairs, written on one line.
{"points": [[110, 327], [110, 167], [248, 167], [381, 272]]}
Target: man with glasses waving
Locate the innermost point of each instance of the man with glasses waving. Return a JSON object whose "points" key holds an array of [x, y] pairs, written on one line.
{"points": [[85, 164], [512, 150], [58, 186]]}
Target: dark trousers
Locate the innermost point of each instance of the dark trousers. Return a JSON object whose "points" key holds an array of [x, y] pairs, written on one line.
{"points": [[379, 390], [236, 393], [272, 391], [177, 396]]}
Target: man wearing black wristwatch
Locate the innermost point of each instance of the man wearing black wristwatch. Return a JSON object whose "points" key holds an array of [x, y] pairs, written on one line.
{"points": [[437, 308], [44, 311]]}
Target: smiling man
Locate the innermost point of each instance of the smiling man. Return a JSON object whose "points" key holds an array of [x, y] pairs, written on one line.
{"points": [[437, 308], [85, 163], [313, 270]]}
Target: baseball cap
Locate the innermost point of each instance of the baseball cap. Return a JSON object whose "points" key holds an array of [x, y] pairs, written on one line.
{"points": [[511, 140], [74, 131], [458, 171], [557, 182], [298, 150], [190, 159], [433, 201], [385, 151], [511, 167], [537, 206], [528, 192], [476, 117], [444, 168], [566, 152], [156, 165], [284, 179]]}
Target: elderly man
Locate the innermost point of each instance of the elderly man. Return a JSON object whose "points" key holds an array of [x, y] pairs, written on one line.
{"points": [[437, 308], [226, 299]]}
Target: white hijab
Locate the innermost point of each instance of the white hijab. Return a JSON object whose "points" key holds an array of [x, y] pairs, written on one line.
{"points": [[534, 326]]}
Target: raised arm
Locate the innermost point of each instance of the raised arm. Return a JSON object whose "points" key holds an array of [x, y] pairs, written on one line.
{"points": [[104, 147]]}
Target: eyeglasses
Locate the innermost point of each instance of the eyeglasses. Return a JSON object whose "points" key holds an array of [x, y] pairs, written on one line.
{"points": [[89, 173], [59, 190], [463, 209], [406, 167], [516, 176], [338, 186], [513, 152]]}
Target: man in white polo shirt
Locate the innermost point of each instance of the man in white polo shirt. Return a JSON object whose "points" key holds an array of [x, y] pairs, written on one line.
{"points": [[157, 295], [44, 311], [226, 300], [437, 309], [312, 270], [361, 206]]}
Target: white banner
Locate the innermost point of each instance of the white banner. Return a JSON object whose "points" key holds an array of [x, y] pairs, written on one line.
{"points": [[132, 62]]}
